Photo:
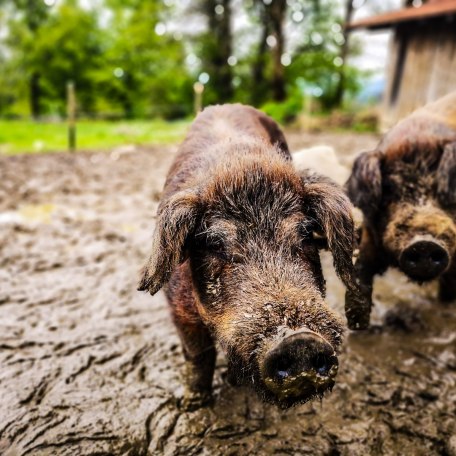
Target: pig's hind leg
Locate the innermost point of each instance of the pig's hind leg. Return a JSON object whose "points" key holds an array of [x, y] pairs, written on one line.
{"points": [[197, 343], [447, 284]]}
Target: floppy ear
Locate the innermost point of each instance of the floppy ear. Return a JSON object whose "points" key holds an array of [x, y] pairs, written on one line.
{"points": [[364, 186], [175, 222], [326, 202], [446, 176], [276, 136]]}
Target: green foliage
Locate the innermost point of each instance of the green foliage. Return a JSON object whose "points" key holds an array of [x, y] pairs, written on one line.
{"points": [[123, 68], [286, 111], [317, 58], [151, 77], [125, 64], [68, 47]]}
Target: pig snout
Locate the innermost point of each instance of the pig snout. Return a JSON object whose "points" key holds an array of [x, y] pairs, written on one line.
{"points": [[299, 367], [424, 260]]}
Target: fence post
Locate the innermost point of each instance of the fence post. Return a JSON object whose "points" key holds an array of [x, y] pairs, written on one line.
{"points": [[198, 88], [71, 113]]}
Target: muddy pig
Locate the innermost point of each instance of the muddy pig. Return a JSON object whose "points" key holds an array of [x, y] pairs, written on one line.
{"points": [[406, 189], [234, 244]]}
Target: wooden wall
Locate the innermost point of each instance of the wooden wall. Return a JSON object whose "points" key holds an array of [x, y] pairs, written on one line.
{"points": [[422, 67]]}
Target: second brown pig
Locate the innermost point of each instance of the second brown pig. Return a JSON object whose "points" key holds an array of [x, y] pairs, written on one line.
{"points": [[406, 189]]}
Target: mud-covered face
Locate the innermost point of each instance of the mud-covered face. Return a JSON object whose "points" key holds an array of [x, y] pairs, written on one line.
{"points": [[407, 191], [421, 238], [257, 272]]}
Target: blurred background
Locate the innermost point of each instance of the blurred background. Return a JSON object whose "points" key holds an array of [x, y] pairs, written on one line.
{"points": [[148, 64]]}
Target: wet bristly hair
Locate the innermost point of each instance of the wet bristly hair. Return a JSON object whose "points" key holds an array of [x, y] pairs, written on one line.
{"points": [[248, 199], [327, 209], [415, 159], [406, 189], [251, 232]]}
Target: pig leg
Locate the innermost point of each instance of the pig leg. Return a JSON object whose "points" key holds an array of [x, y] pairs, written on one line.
{"points": [[197, 343], [199, 353], [368, 264], [447, 284]]}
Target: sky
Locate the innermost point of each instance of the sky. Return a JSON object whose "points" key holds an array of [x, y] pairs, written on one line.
{"points": [[375, 44]]}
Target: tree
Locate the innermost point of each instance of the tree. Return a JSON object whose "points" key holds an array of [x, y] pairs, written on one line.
{"points": [[145, 67], [31, 16], [214, 47], [344, 53], [220, 46], [272, 16], [128, 66], [76, 57], [125, 60], [276, 12]]}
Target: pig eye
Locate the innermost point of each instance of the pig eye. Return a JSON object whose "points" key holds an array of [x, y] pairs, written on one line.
{"points": [[306, 231], [216, 248], [319, 239], [311, 234]]}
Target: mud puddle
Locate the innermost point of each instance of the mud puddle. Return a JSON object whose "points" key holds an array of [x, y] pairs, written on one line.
{"points": [[90, 366]]}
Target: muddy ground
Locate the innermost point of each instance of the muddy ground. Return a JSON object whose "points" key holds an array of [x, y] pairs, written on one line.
{"points": [[89, 366]]}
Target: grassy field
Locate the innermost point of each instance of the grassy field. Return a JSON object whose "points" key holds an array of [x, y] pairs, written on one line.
{"points": [[17, 137]]}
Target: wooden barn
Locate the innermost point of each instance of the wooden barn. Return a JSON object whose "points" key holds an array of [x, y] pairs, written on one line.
{"points": [[422, 62]]}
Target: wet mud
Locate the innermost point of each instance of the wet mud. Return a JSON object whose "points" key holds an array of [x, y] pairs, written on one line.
{"points": [[89, 366]]}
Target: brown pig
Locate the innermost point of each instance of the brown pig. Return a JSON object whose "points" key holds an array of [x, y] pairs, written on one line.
{"points": [[234, 246], [406, 189]]}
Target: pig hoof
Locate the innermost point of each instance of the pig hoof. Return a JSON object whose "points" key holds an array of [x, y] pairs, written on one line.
{"points": [[194, 400], [358, 320], [357, 311], [358, 324]]}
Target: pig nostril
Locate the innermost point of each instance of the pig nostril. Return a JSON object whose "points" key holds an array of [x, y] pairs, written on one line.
{"points": [[322, 364], [438, 257], [282, 367], [413, 257], [282, 374]]}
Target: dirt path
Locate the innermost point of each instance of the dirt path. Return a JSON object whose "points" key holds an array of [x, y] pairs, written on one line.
{"points": [[89, 366]]}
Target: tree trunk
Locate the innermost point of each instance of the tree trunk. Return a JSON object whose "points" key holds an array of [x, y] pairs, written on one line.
{"points": [[259, 65], [277, 11], [339, 96], [221, 48]]}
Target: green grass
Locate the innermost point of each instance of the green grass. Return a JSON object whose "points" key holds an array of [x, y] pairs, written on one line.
{"points": [[18, 137]]}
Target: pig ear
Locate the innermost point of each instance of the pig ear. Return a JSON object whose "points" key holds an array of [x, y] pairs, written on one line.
{"points": [[364, 186], [446, 176], [176, 222], [328, 205], [276, 135]]}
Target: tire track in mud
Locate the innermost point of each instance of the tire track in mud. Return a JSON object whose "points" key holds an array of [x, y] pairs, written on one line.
{"points": [[90, 366]]}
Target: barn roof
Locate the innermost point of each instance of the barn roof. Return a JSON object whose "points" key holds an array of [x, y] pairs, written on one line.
{"points": [[432, 9]]}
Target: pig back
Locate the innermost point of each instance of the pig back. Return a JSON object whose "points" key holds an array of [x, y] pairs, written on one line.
{"points": [[426, 131], [213, 136]]}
